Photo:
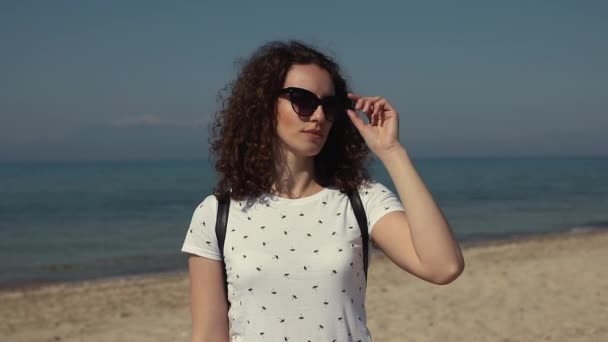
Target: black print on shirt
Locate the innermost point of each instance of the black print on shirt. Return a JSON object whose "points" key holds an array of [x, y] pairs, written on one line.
{"points": [[249, 236]]}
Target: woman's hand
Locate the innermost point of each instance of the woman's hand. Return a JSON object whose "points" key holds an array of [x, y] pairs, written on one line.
{"points": [[382, 132]]}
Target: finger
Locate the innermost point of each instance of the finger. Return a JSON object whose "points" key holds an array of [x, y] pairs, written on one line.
{"points": [[356, 120], [359, 104], [387, 105], [353, 96], [372, 101], [378, 107], [373, 107], [381, 118], [366, 106]]}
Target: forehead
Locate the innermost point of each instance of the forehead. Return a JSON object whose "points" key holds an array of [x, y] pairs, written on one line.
{"points": [[310, 77]]}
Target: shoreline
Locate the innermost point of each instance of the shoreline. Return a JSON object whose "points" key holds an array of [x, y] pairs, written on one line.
{"points": [[546, 287], [465, 245]]}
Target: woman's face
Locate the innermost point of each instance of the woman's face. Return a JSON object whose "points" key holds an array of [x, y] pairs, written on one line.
{"points": [[291, 127]]}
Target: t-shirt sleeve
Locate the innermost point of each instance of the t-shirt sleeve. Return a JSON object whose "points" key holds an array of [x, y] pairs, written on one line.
{"points": [[200, 237], [378, 200]]}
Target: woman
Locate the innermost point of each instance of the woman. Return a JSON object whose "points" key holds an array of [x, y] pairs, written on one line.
{"points": [[289, 148]]}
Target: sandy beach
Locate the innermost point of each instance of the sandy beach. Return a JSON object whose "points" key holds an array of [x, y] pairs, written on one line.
{"points": [[551, 288]]}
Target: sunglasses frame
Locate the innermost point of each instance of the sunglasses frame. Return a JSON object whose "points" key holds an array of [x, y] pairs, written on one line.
{"points": [[319, 102]]}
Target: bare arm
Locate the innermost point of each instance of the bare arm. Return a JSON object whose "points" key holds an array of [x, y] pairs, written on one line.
{"points": [[208, 303], [421, 241]]}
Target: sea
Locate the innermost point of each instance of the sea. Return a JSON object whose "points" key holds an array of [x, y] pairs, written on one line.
{"points": [[80, 220]]}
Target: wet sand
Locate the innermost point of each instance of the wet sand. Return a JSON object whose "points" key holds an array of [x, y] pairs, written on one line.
{"points": [[550, 288]]}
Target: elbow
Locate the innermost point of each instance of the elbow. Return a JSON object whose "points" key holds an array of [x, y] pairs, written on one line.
{"points": [[449, 274], [210, 336], [208, 339]]}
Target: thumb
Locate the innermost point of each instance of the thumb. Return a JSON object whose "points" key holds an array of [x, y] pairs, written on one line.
{"points": [[356, 120]]}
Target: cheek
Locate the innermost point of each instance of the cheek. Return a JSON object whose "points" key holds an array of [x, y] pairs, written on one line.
{"points": [[286, 120]]}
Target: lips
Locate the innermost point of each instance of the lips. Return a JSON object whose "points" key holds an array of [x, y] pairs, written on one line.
{"points": [[314, 131]]}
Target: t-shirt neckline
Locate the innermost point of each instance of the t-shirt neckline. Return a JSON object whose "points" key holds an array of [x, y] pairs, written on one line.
{"points": [[295, 201]]}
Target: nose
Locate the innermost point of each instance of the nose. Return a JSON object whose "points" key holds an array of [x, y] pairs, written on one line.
{"points": [[318, 115]]}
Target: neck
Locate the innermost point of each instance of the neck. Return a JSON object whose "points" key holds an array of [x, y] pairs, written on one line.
{"points": [[295, 177]]}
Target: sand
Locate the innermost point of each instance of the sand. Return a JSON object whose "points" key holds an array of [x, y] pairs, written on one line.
{"points": [[546, 288]]}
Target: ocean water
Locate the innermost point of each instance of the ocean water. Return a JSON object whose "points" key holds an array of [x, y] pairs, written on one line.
{"points": [[62, 221]]}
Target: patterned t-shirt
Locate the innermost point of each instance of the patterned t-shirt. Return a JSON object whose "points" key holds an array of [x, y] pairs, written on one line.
{"points": [[294, 266]]}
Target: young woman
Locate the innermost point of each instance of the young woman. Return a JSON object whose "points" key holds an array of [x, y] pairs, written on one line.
{"points": [[289, 149]]}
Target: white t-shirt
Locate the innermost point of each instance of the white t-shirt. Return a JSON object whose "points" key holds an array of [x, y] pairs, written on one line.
{"points": [[294, 266]]}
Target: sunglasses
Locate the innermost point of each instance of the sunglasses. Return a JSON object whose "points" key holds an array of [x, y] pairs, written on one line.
{"points": [[305, 102]]}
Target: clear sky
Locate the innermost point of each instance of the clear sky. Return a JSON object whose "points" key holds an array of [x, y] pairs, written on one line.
{"points": [[139, 79]]}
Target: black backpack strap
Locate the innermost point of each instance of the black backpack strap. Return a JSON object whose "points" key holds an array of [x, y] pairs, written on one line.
{"points": [[223, 207], [355, 202]]}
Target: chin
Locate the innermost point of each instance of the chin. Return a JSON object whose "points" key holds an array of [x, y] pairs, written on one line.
{"points": [[307, 151], [301, 149]]}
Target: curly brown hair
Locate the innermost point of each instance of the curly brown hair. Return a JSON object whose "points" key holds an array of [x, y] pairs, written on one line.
{"points": [[244, 130]]}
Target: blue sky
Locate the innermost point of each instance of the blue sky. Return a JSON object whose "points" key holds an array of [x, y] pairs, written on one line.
{"points": [[139, 79]]}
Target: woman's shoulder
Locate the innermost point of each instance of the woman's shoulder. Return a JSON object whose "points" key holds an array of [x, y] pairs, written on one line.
{"points": [[375, 192], [210, 202], [213, 199], [372, 186]]}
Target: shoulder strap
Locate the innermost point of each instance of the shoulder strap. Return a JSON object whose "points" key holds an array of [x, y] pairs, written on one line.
{"points": [[355, 202], [223, 207]]}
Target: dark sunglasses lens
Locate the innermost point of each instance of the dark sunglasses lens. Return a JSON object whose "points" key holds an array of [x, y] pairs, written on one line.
{"points": [[304, 103]]}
